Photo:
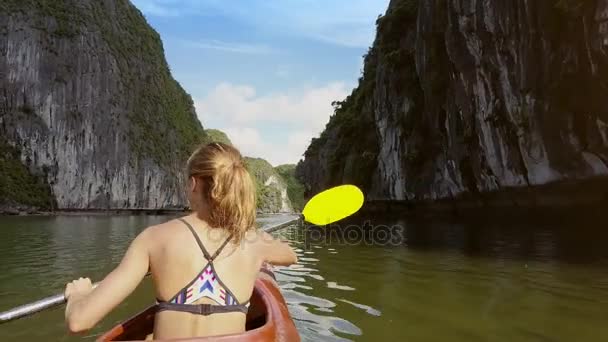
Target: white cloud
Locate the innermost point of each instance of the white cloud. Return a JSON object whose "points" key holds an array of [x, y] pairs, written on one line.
{"points": [[244, 48], [243, 115], [247, 139], [239, 104], [252, 143]]}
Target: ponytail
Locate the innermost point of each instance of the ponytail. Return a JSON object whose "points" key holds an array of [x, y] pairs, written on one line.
{"points": [[227, 187]]}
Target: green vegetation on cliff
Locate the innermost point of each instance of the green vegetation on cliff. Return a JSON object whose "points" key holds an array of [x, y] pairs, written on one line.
{"points": [[164, 123], [267, 197], [295, 189], [215, 135], [65, 14], [18, 185], [349, 146], [349, 127], [164, 116]]}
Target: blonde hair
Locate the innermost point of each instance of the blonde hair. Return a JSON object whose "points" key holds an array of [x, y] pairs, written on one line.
{"points": [[227, 187]]}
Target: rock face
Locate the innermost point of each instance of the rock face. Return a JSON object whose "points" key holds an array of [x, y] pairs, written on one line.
{"points": [[295, 190], [465, 97], [284, 204], [272, 196], [87, 100]]}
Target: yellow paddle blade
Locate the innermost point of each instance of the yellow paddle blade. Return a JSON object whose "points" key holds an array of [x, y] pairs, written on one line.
{"points": [[333, 204]]}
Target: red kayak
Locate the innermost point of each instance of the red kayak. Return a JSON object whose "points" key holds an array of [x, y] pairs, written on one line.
{"points": [[267, 320]]}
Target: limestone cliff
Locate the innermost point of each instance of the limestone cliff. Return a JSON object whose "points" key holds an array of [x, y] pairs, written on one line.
{"points": [[474, 96], [89, 105], [295, 189], [272, 196]]}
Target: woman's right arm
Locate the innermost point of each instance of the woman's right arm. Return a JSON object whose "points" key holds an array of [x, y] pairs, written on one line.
{"points": [[275, 251], [86, 307]]}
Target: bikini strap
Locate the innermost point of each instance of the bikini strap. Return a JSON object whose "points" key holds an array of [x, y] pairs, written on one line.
{"points": [[219, 250], [198, 240], [209, 257], [202, 309]]}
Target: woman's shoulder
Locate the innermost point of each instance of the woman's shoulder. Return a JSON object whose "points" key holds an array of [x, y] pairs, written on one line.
{"points": [[256, 237], [163, 228]]}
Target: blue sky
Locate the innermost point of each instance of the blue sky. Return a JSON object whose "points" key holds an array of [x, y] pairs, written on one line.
{"points": [[265, 71]]}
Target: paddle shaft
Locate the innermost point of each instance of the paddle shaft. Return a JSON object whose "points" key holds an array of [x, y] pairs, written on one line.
{"points": [[299, 219], [53, 301], [32, 308]]}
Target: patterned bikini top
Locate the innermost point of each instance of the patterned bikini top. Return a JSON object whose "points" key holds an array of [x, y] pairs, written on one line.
{"points": [[206, 284]]}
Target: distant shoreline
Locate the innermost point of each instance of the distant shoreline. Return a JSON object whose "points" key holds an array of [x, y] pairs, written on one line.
{"points": [[23, 211], [578, 195], [88, 212]]}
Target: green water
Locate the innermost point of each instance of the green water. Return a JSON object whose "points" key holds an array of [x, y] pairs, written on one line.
{"points": [[433, 281]]}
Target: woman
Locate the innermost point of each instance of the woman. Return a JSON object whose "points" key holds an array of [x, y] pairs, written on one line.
{"points": [[203, 265]]}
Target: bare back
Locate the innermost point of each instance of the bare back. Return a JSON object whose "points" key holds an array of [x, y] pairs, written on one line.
{"points": [[176, 258]]}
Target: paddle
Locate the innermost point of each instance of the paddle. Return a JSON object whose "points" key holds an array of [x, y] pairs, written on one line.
{"points": [[329, 206], [324, 208]]}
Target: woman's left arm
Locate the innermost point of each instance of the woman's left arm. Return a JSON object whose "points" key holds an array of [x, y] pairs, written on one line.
{"points": [[86, 307]]}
